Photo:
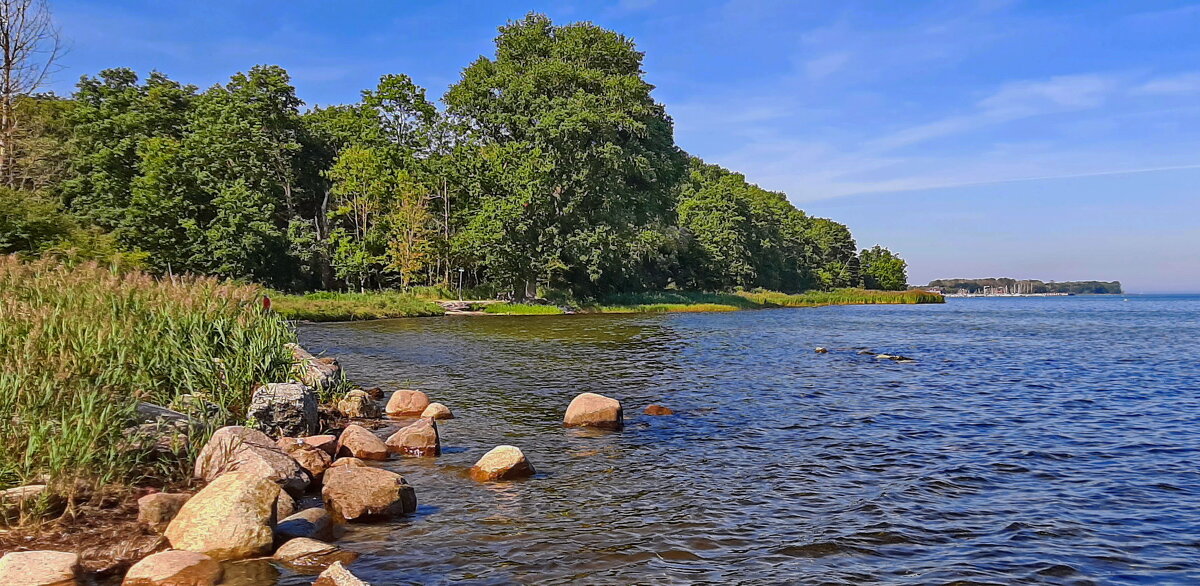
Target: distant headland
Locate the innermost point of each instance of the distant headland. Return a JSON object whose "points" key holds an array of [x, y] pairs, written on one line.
{"points": [[1006, 286]]}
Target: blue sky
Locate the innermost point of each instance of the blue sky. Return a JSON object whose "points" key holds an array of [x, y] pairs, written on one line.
{"points": [[1039, 139]]}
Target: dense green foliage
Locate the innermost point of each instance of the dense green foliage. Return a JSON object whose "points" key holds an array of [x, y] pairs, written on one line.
{"points": [[883, 270], [84, 345], [551, 168], [1028, 286]]}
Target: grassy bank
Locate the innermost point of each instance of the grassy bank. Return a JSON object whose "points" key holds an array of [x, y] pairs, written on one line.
{"points": [[522, 309], [82, 346], [331, 306]]}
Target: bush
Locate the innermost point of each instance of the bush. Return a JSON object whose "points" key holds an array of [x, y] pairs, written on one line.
{"points": [[83, 345]]}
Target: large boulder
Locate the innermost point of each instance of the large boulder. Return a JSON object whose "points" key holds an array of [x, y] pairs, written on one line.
{"points": [[243, 449], [419, 439], [319, 373], [232, 518], [315, 523], [407, 402], [358, 442], [312, 459], [39, 568], [174, 568], [357, 404], [157, 510], [338, 575], [502, 463], [303, 552], [437, 411], [348, 461], [353, 493], [285, 409], [592, 410]]}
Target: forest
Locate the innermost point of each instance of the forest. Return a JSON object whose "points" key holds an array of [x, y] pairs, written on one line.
{"points": [[1030, 286], [548, 166]]}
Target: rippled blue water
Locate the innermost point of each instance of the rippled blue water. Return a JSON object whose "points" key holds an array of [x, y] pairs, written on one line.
{"points": [[1049, 440]]}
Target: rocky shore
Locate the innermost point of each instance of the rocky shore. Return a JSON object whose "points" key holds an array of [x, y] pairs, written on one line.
{"points": [[253, 478]]}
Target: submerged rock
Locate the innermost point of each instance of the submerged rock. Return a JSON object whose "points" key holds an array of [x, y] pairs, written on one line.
{"points": [[232, 518], [353, 493], [437, 411], [593, 410], [247, 450], [502, 463], [39, 568], [313, 523], [285, 409], [658, 410], [337, 575], [174, 568], [157, 510], [419, 439], [358, 442], [357, 404], [820, 350], [303, 552], [407, 402]]}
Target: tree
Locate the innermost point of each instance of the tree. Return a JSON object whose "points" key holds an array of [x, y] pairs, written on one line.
{"points": [[582, 158], [882, 269], [29, 47], [836, 259]]}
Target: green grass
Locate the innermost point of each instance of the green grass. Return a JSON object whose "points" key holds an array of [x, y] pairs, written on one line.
{"points": [[452, 293], [840, 297], [83, 345], [521, 309], [331, 306]]}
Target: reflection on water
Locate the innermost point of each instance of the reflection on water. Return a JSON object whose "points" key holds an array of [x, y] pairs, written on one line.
{"points": [[1034, 440]]}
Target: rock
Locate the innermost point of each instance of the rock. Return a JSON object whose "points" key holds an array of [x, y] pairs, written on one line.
{"points": [[247, 450], [313, 523], [284, 506], [156, 510], [23, 500], [326, 443], [348, 461], [285, 409], [151, 413], [353, 492], [658, 410], [820, 350], [359, 442], [375, 393], [312, 459], [174, 568], [39, 568], [357, 404], [230, 519], [319, 373], [592, 410], [437, 411], [419, 439], [502, 463], [337, 575], [303, 552], [407, 402], [866, 353]]}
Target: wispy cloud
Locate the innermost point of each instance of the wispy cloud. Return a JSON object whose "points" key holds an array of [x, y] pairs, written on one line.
{"points": [[1181, 84]]}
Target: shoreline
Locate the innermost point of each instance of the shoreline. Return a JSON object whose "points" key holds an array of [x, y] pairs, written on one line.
{"points": [[348, 307]]}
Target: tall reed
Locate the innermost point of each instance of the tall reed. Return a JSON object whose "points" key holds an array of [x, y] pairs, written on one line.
{"points": [[82, 345]]}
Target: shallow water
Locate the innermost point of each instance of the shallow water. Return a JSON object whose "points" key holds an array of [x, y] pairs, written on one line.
{"points": [[1049, 440]]}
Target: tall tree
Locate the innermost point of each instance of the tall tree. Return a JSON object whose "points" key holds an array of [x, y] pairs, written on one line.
{"points": [[882, 269], [29, 47], [583, 158]]}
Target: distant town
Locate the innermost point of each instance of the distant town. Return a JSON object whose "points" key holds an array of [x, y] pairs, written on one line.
{"points": [[1005, 287]]}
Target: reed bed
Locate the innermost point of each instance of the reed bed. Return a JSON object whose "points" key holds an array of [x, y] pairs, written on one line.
{"points": [[332, 306], [840, 297], [83, 345]]}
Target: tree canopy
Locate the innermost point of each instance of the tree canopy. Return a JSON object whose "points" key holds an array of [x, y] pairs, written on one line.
{"points": [[550, 166]]}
